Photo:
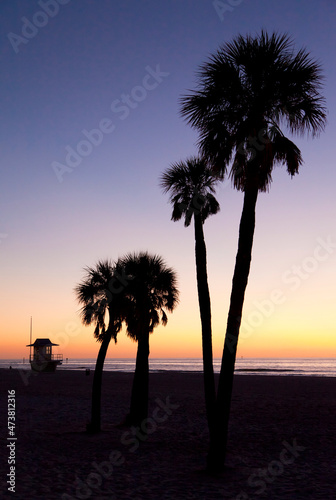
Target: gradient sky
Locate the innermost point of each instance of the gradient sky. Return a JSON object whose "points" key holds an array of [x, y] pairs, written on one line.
{"points": [[69, 75]]}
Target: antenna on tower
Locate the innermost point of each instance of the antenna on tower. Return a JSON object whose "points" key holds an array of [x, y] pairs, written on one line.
{"points": [[31, 331]]}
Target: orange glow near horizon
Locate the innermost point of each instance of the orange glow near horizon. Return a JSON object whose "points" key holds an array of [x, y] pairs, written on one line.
{"points": [[79, 343], [298, 327]]}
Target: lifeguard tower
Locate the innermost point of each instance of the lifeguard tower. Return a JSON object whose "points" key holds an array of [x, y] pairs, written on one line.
{"points": [[42, 359]]}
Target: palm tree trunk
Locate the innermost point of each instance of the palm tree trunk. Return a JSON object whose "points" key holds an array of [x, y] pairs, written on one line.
{"points": [[139, 398], [216, 457], [205, 313], [94, 425]]}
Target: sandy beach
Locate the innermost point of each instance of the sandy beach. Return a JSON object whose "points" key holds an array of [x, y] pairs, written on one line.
{"points": [[282, 439]]}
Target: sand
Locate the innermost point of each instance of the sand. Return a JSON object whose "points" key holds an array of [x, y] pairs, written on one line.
{"points": [[282, 439]]}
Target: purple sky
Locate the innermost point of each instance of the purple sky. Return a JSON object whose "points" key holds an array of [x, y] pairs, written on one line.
{"points": [[122, 66]]}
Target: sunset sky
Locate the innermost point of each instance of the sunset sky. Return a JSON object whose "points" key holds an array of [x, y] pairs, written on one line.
{"points": [[122, 66]]}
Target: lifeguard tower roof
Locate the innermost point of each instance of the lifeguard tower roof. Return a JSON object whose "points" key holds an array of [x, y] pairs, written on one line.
{"points": [[41, 342]]}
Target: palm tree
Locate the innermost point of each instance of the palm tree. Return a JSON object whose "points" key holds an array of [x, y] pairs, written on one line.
{"points": [[100, 297], [191, 185], [249, 91], [151, 293]]}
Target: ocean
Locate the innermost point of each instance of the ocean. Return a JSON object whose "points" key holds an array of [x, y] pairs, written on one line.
{"points": [[321, 367]]}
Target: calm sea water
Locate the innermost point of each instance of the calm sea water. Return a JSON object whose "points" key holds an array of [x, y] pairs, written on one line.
{"points": [[248, 366]]}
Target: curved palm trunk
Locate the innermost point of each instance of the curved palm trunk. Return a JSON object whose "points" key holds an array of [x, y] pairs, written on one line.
{"points": [[205, 312], [216, 457], [139, 399], [94, 425]]}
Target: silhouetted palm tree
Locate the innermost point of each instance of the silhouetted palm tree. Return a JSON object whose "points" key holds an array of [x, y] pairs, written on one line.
{"points": [[152, 292], [101, 295], [248, 92], [191, 185]]}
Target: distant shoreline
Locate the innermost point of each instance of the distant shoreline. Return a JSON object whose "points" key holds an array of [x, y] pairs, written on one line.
{"points": [[319, 367], [238, 373]]}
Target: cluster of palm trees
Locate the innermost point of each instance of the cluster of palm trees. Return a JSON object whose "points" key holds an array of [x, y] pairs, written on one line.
{"points": [[137, 290], [250, 93]]}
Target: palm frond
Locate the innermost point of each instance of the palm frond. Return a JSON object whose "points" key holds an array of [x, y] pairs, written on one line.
{"points": [[250, 84], [152, 290], [188, 184], [99, 299]]}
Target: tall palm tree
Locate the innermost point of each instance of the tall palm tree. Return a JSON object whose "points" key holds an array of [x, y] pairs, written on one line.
{"points": [[152, 292], [100, 297], [249, 91], [191, 185]]}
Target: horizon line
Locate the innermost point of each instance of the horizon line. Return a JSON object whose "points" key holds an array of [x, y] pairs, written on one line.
{"points": [[198, 358]]}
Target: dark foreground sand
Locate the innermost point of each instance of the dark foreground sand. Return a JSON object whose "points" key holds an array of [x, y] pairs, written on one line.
{"points": [[282, 439]]}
